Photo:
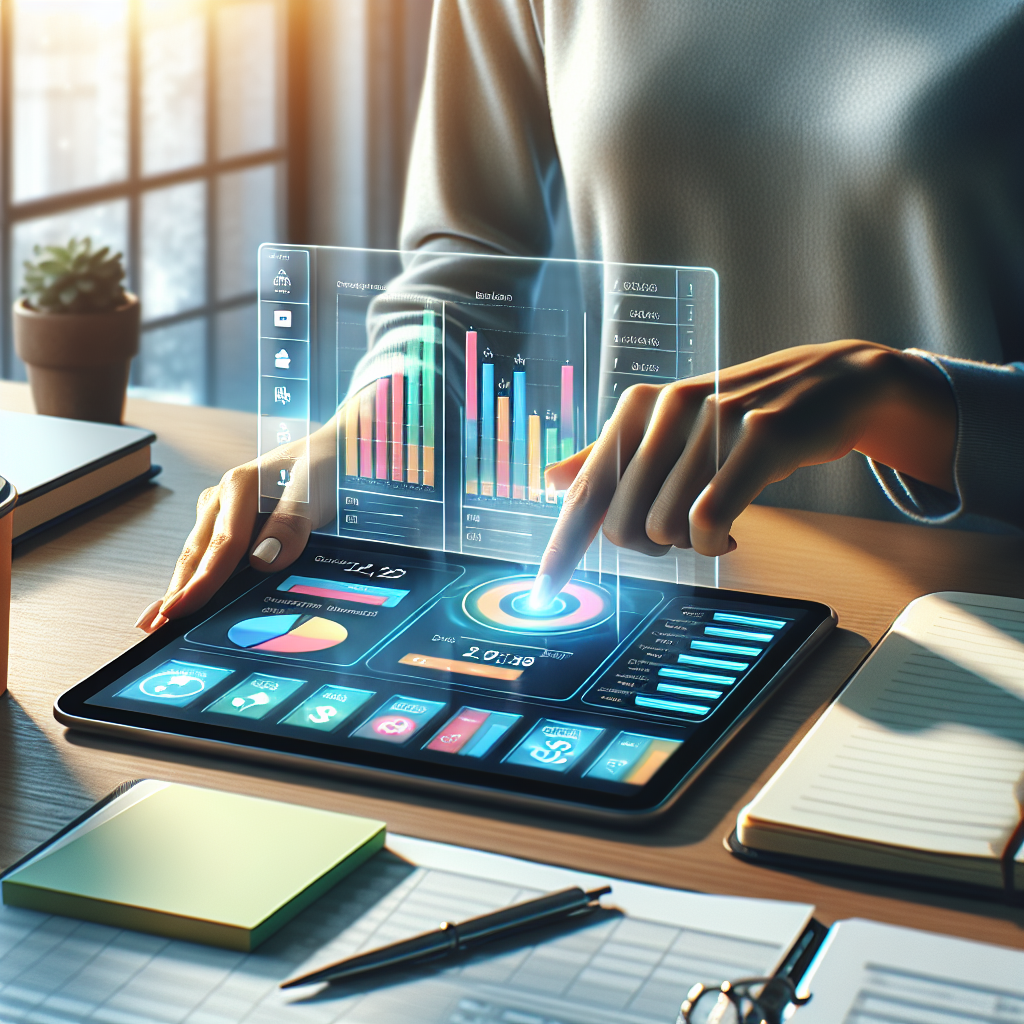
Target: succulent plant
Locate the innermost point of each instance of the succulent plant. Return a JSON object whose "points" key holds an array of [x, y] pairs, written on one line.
{"points": [[73, 278]]}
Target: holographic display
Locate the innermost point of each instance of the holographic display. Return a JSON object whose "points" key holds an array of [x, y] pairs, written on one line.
{"points": [[418, 398]]}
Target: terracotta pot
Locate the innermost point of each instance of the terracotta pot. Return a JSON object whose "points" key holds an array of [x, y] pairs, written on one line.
{"points": [[78, 362], [8, 499]]}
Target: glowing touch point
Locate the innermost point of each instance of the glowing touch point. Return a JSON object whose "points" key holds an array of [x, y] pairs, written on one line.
{"points": [[541, 593]]}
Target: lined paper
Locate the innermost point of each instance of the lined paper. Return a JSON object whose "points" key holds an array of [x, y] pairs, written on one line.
{"points": [[925, 747]]}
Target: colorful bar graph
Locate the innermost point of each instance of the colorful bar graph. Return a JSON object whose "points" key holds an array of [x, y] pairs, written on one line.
{"points": [[397, 415], [390, 424], [567, 418], [429, 350], [519, 435], [533, 458], [381, 429], [365, 400], [550, 446], [472, 426], [507, 447], [412, 411], [352, 436], [503, 448], [551, 457], [487, 431]]}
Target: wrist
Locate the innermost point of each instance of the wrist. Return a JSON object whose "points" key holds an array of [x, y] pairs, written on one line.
{"points": [[912, 425]]}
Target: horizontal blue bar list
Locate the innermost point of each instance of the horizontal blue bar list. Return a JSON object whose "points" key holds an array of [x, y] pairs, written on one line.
{"points": [[692, 659], [672, 705], [696, 677], [749, 620], [738, 634], [709, 645], [688, 691]]}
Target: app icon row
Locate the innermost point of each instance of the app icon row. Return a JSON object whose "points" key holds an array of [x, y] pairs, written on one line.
{"points": [[551, 745]]}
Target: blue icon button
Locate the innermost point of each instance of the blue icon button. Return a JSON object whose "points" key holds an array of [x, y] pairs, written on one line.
{"points": [[176, 683], [632, 758], [553, 745]]}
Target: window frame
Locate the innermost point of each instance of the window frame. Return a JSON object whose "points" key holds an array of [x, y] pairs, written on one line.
{"points": [[289, 157]]}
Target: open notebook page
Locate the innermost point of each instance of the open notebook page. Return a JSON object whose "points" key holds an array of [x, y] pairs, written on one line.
{"points": [[925, 747], [869, 973], [633, 968]]}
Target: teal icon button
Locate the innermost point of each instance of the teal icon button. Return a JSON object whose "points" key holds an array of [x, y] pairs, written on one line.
{"points": [[328, 708], [255, 696], [175, 683], [554, 746]]}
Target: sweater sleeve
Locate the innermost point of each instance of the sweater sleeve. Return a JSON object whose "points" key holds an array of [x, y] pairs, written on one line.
{"points": [[988, 464], [483, 170], [483, 175]]}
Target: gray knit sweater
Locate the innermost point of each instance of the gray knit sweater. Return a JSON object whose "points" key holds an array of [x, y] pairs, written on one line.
{"points": [[851, 170]]}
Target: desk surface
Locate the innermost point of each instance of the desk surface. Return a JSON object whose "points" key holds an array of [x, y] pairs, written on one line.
{"points": [[78, 589]]}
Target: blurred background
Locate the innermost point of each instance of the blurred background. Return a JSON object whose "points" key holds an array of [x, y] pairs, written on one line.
{"points": [[186, 132]]}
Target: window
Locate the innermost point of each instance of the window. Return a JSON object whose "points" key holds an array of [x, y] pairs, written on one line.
{"points": [[157, 127]]}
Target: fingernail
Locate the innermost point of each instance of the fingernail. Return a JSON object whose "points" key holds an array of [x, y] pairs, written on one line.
{"points": [[159, 621], [267, 550], [147, 612], [542, 593], [171, 601]]}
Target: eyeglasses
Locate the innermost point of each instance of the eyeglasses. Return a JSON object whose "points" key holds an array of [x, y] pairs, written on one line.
{"points": [[746, 1001]]}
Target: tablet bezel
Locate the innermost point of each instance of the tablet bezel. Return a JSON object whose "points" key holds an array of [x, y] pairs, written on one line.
{"points": [[71, 709]]}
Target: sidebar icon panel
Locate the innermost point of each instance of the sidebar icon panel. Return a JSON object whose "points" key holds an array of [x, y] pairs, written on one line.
{"points": [[284, 361]]}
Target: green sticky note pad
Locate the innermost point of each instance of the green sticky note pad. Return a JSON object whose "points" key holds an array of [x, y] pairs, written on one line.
{"points": [[195, 864]]}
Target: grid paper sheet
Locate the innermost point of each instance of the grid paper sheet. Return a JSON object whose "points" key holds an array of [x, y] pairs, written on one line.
{"points": [[632, 967]]}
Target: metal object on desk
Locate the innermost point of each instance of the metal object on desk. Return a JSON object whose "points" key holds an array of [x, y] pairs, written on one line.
{"points": [[746, 1001], [8, 499]]}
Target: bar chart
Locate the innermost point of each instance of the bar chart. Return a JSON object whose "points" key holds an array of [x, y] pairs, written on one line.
{"points": [[391, 424], [520, 417]]}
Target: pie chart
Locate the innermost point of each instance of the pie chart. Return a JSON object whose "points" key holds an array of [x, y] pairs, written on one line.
{"points": [[287, 634]]}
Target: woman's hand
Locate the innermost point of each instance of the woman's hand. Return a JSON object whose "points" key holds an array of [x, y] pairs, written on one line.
{"points": [[226, 524], [676, 464]]}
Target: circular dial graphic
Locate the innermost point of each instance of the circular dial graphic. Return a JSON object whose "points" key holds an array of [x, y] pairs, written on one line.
{"points": [[505, 605], [287, 634]]}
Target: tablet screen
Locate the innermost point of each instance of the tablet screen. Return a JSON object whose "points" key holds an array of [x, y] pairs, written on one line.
{"points": [[434, 664]]}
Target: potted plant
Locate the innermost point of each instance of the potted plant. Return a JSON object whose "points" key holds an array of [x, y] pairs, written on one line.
{"points": [[77, 329]]}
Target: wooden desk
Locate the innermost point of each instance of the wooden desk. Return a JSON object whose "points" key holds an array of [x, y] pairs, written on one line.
{"points": [[78, 590]]}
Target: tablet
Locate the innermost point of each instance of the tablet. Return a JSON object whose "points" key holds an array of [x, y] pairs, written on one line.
{"points": [[431, 668]]}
